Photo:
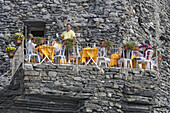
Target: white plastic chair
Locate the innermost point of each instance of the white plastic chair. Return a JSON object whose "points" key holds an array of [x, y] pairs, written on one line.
{"points": [[33, 55], [60, 56], [138, 55], [101, 58], [29, 56], [126, 61], [78, 53]]}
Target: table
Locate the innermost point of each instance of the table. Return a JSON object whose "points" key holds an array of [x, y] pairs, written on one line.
{"points": [[91, 53], [114, 59], [47, 51]]}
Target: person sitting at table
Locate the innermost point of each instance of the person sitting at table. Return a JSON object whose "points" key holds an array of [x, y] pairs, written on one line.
{"points": [[113, 59], [146, 47], [126, 54], [68, 34], [57, 47], [31, 46]]}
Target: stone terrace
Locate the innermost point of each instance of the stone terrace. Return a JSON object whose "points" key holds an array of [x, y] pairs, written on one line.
{"points": [[59, 88]]}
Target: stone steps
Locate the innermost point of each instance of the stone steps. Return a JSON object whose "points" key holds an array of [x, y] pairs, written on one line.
{"points": [[45, 104]]}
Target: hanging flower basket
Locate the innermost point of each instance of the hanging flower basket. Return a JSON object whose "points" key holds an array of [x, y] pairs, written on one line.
{"points": [[18, 42], [11, 54], [18, 39], [10, 50]]}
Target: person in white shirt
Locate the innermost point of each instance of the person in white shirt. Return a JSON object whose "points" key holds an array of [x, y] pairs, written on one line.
{"points": [[31, 47], [57, 47]]}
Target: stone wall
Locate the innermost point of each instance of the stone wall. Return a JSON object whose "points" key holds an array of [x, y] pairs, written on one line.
{"points": [[93, 20], [49, 88]]}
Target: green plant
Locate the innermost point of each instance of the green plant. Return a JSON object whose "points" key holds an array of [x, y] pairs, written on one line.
{"points": [[130, 45], [10, 49], [19, 36], [154, 53], [69, 43], [108, 44], [38, 40]]}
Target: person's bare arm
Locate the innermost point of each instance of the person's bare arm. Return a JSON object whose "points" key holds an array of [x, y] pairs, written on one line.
{"points": [[75, 39], [61, 38]]}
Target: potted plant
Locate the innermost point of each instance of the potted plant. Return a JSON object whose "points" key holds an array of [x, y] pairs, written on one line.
{"points": [[130, 45], [38, 40], [108, 45], [102, 44], [10, 50], [18, 39], [69, 43]]}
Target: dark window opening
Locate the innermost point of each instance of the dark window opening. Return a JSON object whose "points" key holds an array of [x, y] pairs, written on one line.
{"points": [[38, 33], [35, 27]]}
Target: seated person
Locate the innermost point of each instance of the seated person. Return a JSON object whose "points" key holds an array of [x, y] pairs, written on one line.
{"points": [[146, 47], [31, 46], [113, 59], [126, 54], [57, 47]]}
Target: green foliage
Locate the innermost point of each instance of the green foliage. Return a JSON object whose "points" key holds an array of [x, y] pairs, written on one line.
{"points": [[10, 49], [19, 36], [108, 44], [130, 45], [154, 53], [38, 40], [69, 43]]}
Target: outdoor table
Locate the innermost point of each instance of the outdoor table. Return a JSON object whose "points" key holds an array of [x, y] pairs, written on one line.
{"points": [[47, 51], [91, 53]]}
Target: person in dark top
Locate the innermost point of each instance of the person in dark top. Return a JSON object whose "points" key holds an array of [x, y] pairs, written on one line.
{"points": [[126, 53], [146, 47]]}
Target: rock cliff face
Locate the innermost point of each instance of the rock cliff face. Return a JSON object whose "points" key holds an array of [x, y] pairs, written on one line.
{"points": [[93, 20]]}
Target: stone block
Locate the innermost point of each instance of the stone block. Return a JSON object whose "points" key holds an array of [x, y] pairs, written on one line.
{"points": [[31, 73], [77, 78], [43, 73], [52, 74], [28, 67]]}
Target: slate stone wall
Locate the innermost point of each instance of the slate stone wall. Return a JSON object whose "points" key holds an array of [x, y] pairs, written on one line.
{"points": [[93, 20], [49, 88]]}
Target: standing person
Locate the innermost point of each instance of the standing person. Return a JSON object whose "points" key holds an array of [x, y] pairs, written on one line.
{"points": [[68, 34]]}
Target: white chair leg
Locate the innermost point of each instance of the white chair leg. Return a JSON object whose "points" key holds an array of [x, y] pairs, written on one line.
{"points": [[29, 58], [105, 63], [131, 63], [125, 63], [38, 59]]}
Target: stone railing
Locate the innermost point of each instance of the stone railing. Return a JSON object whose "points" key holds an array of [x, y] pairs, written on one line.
{"points": [[115, 90], [18, 58]]}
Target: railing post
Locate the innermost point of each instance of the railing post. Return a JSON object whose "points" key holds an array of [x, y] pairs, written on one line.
{"points": [[22, 53], [77, 58], [13, 65]]}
